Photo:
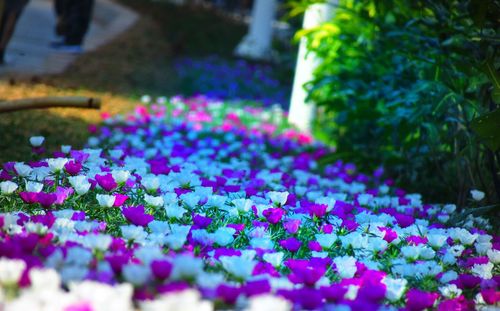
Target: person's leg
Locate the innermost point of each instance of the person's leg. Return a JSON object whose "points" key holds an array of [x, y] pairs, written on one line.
{"points": [[11, 11], [60, 10], [79, 17]]}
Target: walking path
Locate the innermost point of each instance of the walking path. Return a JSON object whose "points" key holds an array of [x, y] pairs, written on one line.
{"points": [[29, 53]]}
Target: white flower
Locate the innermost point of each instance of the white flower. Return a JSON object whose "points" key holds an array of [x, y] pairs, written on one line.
{"points": [[274, 258], [103, 297], [32, 186], [57, 164], [278, 197], [477, 195], [190, 199], [175, 241], [36, 141], [448, 276], [7, 187], [133, 233], [136, 274], [44, 279], [151, 183], [326, 240], [268, 303], [97, 241], [22, 169], [65, 148], [436, 240], [145, 99], [11, 270], [242, 205], [483, 271], [346, 266], [187, 300], [105, 200], [153, 201], [174, 211], [494, 255], [120, 176], [394, 288], [186, 267], [239, 266], [450, 291], [80, 184], [224, 236]]}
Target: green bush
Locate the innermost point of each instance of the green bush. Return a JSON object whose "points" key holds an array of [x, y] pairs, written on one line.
{"points": [[403, 83]]}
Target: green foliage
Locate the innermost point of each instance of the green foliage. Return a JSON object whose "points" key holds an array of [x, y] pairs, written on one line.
{"points": [[401, 83]]}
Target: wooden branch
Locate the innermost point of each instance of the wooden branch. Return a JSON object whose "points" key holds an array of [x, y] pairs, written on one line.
{"points": [[50, 102]]}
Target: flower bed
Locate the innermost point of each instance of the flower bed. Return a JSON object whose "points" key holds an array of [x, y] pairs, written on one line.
{"points": [[187, 205], [239, 79]]}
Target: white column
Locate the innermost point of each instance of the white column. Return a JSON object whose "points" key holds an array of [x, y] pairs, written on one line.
{"points": [[301, 114], [257, 43]]}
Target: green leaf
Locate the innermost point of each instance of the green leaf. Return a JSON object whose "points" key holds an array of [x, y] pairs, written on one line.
{"points": [[495, 95], [487, 127]]}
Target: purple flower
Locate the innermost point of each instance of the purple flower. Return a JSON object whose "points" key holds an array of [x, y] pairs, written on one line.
{"points": [[228, 294], [274, 215], [317, 210], [258, 287], [73, 167], [201, 221], [404, 220], [137, 215], [292, 225], [120, 199], [334, 292], [161, 269], [46, 199], [304, 272], [107, 182], [291, 244], [419, 300]]}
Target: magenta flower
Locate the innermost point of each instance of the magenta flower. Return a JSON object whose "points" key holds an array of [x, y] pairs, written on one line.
{"points": [[120, 199], [404, 220], [490, 296], [28, 197], [46, 199], [304, 272], [228, 294], [419, 300], [137, 215], [318, 210], [107, 182], [389, 234], [73, 167], [291, 244], [62, 193], [292, 225], [258, 287], [334, 292], [273, 215], [416, 240], [161, 269], [201, 221]]}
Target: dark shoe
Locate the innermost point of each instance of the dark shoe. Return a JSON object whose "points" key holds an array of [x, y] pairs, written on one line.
{"points": [[72, 49]]}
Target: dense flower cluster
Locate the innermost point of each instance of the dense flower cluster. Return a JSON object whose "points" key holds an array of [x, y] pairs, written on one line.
{"points": [[187, 205], [222, 79]]}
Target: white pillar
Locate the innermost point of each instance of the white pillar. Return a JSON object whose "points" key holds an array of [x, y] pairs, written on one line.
{"points": [[257, 43], [301, 114]]}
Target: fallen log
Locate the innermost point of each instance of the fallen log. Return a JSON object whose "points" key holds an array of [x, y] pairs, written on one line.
{"points": [[50, 102]]}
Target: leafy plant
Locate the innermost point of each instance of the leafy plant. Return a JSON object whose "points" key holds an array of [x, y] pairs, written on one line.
{"points": [[410, 84]]}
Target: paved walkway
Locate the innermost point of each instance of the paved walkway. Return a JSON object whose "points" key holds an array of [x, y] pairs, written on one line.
{"points": [[29, 53]]}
